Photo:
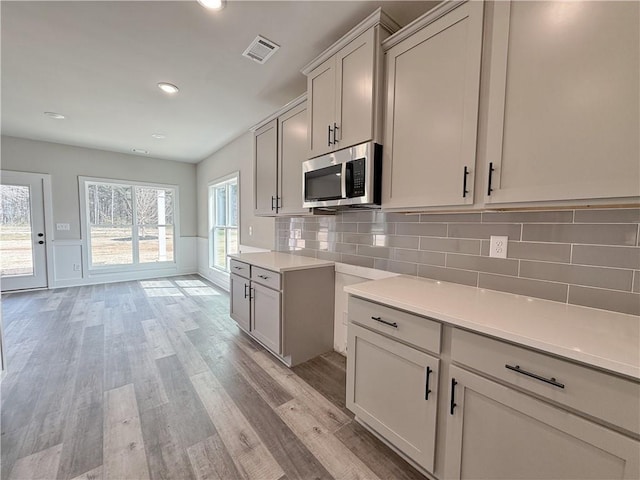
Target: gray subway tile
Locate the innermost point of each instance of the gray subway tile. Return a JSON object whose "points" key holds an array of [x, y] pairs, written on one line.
{"points": [[547, 252], [422, 229], [608, 215], [553, 216], [402, 217], [636, 281], [346, 227], [622, 302], [377, 228], [502, 266], [448, 275], [419, 256], [401, 241], [454, 245], [306, 235], [395, 267], [349, 248], [592, 234], [377, 252], [450, 217], [361, 216], [484, 231], [332, 256], [612, 278], [304, 252], [359, 238], [357, 260], [623, 257], [522, 286]]}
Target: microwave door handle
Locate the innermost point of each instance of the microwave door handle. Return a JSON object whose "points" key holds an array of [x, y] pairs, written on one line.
{"points": [[343, 180]]}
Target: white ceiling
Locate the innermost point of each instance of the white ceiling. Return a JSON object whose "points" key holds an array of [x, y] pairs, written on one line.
{"points": [[98, 63]]}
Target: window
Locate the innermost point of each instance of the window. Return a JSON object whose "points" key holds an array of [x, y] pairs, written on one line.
{"points": [[223, 221], [129, 224]]}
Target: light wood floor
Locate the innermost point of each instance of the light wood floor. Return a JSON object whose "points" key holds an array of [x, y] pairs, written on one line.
{"points": [[152, 379]]}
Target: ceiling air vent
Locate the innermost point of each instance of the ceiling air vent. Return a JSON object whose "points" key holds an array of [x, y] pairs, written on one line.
{"points": [[260, 49]]}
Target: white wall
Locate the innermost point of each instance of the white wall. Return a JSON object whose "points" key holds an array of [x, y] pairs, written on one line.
{"points": [[65, 164], [236, 156]]}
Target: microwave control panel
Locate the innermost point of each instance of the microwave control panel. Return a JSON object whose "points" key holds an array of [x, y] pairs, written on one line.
{"points": [[355, 181]]}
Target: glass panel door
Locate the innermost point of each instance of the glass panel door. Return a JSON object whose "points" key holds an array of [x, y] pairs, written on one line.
{"points": [[22, 238]]}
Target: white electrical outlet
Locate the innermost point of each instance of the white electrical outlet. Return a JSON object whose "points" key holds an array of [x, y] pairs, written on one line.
{"points": [[63, 226], [498, 246]]}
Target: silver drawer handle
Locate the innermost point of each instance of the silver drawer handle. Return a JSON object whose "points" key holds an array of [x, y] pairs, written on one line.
{"points": [[551, 381], [238, 268], [264, 277], [391, 324]]}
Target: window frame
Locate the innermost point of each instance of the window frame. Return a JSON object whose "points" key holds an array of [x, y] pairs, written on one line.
{"points": [[85, 227], [211, 199]]}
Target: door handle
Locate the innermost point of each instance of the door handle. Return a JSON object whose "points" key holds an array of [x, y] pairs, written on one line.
{"points": [[245, 291], [427, 390], [453, 396], [464, 182], [491, 170]]}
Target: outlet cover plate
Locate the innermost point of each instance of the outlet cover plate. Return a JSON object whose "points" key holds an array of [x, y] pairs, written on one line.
{"points": [[498, 246]]}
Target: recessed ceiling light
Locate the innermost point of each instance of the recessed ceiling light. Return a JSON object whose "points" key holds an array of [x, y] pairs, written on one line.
{"points": [[168, 87], [212, 4], [57, 116], [140, 150], [158, 135]]}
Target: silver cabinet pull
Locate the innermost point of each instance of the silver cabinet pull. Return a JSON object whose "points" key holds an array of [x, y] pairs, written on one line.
{"points": [[550, 381]]}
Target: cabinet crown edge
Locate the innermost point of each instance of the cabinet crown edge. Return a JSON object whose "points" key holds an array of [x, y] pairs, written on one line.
{"points": [[422, 21], [378, 17], [289, 106]]}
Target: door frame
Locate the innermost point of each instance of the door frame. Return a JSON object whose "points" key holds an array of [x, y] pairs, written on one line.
{"points": [[47, 200]]}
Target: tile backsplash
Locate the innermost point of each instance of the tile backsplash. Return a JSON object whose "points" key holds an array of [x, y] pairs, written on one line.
{"points": [[585, 257]]}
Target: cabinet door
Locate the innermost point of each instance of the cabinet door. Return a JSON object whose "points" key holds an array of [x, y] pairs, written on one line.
{"points": [[240, 303], [292, 144], [563, 115], [265, 168], [265, 315], [433, 80], [496, 432], [394, 389], [321, 88], [355, 67]]}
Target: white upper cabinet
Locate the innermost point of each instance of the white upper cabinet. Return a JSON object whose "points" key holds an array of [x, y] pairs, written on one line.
{"points": [[433, 79], [265, 141], [280, 147], [292, 151], [563, 102], [343, 87]]}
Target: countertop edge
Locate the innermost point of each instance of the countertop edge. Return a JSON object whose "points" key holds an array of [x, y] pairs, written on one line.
{"points": [[591, 360], [280, 268]]}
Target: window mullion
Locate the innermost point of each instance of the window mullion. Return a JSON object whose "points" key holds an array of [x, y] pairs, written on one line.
{"points": [[134, 227]]}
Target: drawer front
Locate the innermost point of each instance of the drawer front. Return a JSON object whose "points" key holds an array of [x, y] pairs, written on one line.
{"points": [[265, 277], [240, 268], [599, 394], [412, 329]]}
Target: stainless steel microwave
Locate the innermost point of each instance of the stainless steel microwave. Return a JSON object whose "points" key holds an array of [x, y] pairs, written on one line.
{"points": [[352, 176]]}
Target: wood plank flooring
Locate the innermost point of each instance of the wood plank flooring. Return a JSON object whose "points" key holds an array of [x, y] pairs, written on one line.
{"points": [[153, 380]]}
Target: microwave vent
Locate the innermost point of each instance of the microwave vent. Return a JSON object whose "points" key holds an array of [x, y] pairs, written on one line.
{"points": [[260, 49]]}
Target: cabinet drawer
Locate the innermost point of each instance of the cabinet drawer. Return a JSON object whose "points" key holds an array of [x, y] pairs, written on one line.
{"points": [[240, 268], [265, 277], [599, 394], [412, 329]]}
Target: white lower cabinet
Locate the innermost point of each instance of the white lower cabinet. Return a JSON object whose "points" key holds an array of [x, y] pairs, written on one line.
{"points": [[393, 388], [265, 315], [240, 301], [496, 432], [289, 312], [502, 411]]}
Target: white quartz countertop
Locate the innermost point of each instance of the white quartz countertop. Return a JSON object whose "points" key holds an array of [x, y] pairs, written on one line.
{"points": [[603, 339], [280, 262]]}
